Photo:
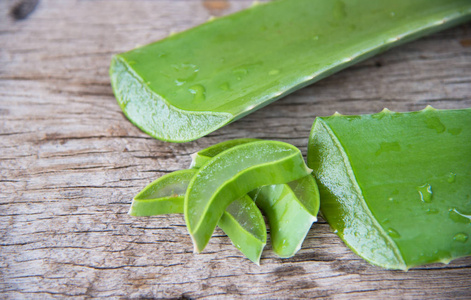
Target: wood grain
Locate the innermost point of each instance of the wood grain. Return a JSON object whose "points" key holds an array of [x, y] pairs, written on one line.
{"points": [[71, 162]]}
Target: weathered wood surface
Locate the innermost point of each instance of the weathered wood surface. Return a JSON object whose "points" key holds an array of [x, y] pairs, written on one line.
{"points": [[71, 162]]}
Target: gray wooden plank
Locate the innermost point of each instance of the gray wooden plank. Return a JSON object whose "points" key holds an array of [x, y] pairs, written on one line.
{"points": [[71, 162]]}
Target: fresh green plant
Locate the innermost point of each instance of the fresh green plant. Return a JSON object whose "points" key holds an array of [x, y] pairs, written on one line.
{"points": [[192, 83], [396, 186]]}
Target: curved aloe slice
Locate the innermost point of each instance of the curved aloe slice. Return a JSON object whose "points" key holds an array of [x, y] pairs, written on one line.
{"points": [[163, 196], [242, 221], [396, 186], [232, 174], [192, 83], [290, 208]]}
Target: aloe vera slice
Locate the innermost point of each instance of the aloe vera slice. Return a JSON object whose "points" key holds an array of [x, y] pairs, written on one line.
{"points": [[242, 221], [192, 83], [163, 196], [290, 208], [396, 186], [232, 174]]}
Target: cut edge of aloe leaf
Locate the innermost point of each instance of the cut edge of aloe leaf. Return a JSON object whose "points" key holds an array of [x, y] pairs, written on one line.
{"points": [[166, 122], [373, 244]]}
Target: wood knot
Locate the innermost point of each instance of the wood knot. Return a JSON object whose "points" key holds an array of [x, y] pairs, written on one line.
{"points": [[23, 9]]}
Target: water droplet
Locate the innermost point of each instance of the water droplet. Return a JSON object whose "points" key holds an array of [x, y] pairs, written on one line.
{"points": [[425, 192], [225, 86], [388, 147], [185, 73], [274, 72], [460, 237], [392, 14], [338, 10], [199, 93], [435, 123], [393, 233], [459, 217], [455, 131], [316, 38], [336, 231], [451, 177], [432, 211]]}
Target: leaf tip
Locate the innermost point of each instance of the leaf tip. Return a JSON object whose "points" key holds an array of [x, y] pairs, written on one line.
{"points": [[429, 107], [255, 3]]}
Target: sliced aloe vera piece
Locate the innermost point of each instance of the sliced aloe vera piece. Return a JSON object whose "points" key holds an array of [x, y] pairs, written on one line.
{"points": [[194, 82], [290, 208], [232, 174], [244, 225], [396, 186], [163, 196], [242, 221]]}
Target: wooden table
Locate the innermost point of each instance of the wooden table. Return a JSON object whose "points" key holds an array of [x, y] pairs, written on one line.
{"points": [[70, 162]]}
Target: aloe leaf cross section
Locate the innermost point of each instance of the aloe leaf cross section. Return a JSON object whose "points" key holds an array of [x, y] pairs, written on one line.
{"points": [[192, 83]]}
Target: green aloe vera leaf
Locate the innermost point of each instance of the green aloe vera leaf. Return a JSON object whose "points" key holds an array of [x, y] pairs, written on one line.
{"points": [[192, 83], [396, 186], [232, 174], [201, 157], [290, 208], [242, 221]]}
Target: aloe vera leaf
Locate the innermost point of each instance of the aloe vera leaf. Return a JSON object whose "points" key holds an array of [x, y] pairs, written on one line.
{"points": [[396, 186], [290, 208], [242, 221], [192, 83], [232, 174]]}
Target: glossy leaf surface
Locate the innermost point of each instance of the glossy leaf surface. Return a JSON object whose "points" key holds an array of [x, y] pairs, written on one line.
{"points": [[192, 83], [396, 186], [232, 174]]}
